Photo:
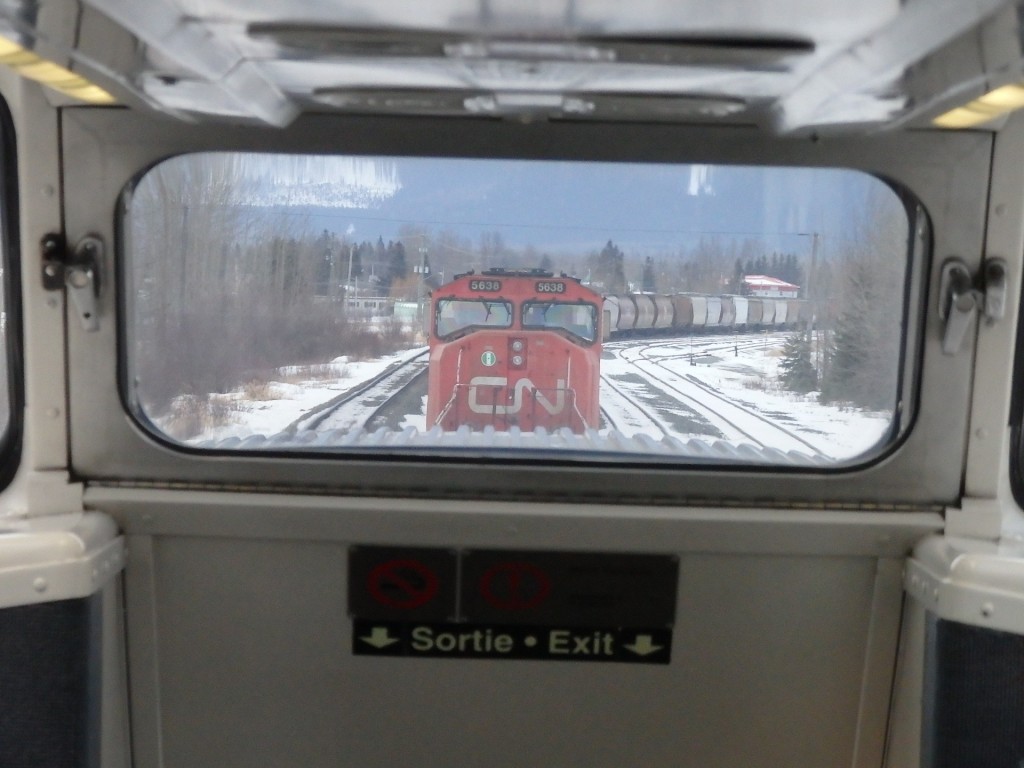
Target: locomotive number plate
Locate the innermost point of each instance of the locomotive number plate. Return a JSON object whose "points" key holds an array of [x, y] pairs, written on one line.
{"points": [[485, 285], [551, 286]]}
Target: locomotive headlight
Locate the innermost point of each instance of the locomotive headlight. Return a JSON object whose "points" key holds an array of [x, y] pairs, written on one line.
{"points": [[517, 353]]}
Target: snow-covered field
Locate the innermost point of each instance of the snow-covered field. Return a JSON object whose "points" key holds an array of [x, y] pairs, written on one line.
{"points": [[709, 390], [747, 376]]}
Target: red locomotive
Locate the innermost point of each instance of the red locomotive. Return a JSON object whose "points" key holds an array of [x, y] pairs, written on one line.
{"points": [[514, 348]]}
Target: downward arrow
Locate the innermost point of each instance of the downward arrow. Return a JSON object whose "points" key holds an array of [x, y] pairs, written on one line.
{"points": [[643, 646], [379, 638]]}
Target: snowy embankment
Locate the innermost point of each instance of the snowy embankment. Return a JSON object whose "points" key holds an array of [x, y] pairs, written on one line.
{"points": [[295, 392]]}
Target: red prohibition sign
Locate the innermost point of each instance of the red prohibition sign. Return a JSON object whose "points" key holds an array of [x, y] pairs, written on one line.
{"points": [[405, 584], [515, 586]]}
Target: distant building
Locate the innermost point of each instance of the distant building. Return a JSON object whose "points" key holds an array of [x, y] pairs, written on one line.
{"points": [[369, 307], [769, 287]]}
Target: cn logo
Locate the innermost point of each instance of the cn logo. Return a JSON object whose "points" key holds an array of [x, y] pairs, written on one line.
{"points": [[517, 401]]}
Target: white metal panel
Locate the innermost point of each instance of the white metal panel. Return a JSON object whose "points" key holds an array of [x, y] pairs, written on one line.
{"points": [[700, 311], [969, 581], [40, 187], [781, 311], [645, 312], [611, 310], [666, 311], [742, 305], [241, 597], [986, 475], [58, 557], [714, 311]]}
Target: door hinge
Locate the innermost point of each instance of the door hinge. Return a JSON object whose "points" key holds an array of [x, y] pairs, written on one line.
{"points": [[76, 270], [963, 297]]}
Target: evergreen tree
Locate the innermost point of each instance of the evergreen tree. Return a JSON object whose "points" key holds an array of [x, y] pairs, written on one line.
{"points": [[791, 271], [608, 269], [797, 364], [736, 285], [383, 262], [864, 346], [365, 256], [397, 268], [648, 282]]}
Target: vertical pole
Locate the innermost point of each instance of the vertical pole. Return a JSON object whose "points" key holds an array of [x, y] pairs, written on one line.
{"points": [[808, 294], [810, 300], [332, 279], [422, 270], [348, 281]]}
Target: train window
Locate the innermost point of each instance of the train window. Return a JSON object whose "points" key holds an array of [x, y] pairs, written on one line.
{"points": [[457, 316], [578, 319], [638, 311]]}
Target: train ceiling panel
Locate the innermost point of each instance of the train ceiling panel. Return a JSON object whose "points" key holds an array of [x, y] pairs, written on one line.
{"points": [[785, 66]]}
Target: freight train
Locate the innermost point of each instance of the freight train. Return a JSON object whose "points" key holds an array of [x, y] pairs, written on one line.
{"points": [[642, 313], [514, 348]]}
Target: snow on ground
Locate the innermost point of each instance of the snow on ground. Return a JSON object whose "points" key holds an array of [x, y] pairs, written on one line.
{"points": [[840, 433], [418, 420], [298, 391], [746, 374]]}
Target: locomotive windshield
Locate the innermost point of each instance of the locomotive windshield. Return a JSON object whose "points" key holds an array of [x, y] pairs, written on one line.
{"points": [[457, 315], [578, 319]]}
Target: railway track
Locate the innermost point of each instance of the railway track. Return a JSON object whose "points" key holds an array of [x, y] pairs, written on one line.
{"points": [[734, 421], [369, 404], [658, 398], [633, 416], [703, 344]]}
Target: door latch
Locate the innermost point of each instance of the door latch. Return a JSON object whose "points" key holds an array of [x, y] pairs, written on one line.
{"points": [[77, 271], [963, 298]]}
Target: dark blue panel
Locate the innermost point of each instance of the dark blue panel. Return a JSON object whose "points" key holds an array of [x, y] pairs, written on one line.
{"points": [[973, 714], [49, 685]]}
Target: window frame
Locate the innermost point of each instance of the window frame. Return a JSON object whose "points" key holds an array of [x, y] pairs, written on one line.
{"points": [[461, 330], [118, 153], [11, 438], [554, 302]]}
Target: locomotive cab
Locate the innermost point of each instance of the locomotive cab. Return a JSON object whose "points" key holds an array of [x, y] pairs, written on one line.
{"points": [[514, 349]]}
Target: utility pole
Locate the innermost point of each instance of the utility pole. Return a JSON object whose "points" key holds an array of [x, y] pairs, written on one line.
{"points": [[814, 263], [812, 330], [348, 281], [422, 270]]}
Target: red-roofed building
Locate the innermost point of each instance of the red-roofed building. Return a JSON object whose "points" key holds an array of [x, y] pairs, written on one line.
{"points": [[770, 287]]}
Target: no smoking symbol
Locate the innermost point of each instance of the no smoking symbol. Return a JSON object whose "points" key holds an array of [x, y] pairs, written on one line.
{"points": [[515, 586], [404, 584]]}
